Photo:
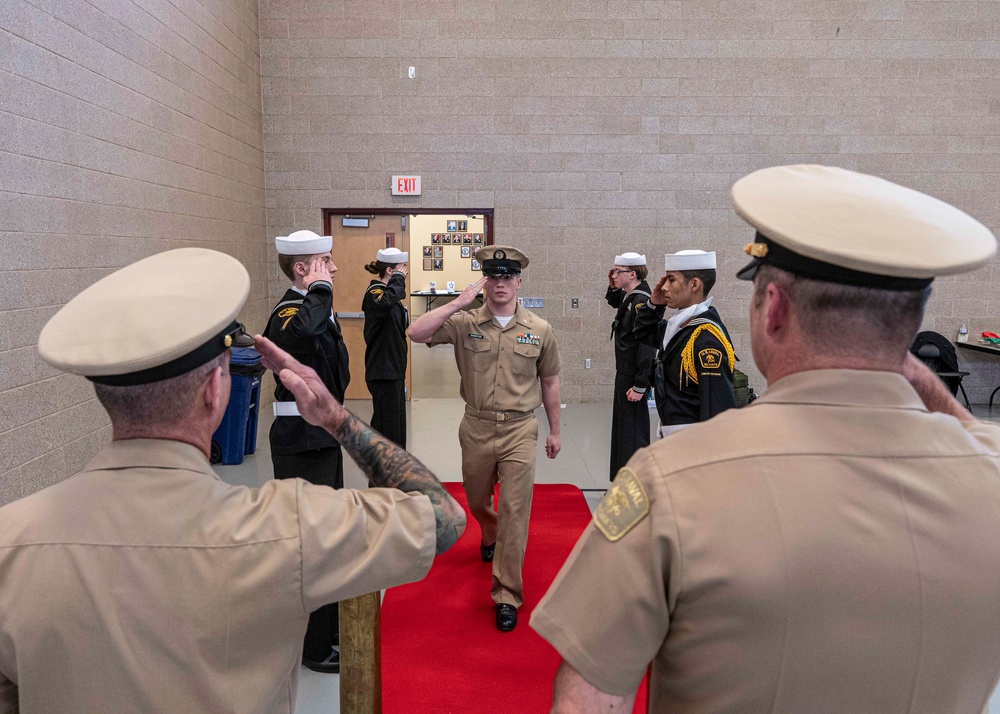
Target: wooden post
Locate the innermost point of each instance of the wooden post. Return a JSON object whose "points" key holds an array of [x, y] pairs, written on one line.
{"points": [[361, 655]]}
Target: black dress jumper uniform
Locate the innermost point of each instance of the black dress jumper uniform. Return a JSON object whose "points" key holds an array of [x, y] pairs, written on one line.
{"points": [[303, 325], [693, 374], [693, 370], [386, 320], [633, 367]]}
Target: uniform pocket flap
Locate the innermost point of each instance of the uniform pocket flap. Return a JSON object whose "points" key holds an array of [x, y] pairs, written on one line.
{"points": [[474, 345], [527, 350]]}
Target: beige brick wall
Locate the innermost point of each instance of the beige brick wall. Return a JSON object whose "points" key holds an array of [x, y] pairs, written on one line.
{"points": [[127, 127], [597, 126], [591, 126]]}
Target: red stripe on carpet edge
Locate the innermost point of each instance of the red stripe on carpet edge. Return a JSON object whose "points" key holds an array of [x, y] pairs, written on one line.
{"points": [[441, 651]]}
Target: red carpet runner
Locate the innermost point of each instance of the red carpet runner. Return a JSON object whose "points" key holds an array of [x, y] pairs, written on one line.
{"points": [[441, 652]]}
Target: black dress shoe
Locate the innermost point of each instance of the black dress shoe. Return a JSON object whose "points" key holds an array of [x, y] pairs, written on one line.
{"points": [[486, 551], [506, 617], [330, 665]]}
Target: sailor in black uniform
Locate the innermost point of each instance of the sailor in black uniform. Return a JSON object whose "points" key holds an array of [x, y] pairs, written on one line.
{"points": [[386, 320], [693, 376], [303, 324], [628, 291]]}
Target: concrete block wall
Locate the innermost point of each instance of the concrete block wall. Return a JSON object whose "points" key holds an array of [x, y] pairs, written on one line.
{"points": [[598, 126], [127, 127]]}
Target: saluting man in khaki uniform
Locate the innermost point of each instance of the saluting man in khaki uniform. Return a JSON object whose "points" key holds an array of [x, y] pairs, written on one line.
{"points": [[835, 546], [509, 364], [146, 584]]}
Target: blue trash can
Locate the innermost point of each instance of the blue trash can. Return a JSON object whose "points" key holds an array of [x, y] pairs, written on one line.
{"points": [[237, 434]]}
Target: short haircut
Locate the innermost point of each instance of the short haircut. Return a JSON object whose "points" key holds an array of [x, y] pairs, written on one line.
{"points": [[287, 264], [707, 278], [161, 403], [641, 272], [846, 319]]}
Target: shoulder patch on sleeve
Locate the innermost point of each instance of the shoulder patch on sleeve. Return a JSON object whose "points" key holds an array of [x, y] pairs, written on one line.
{"points": [[710, 358], [623, 506], [287, 314], [377, 293], [639, 306]]}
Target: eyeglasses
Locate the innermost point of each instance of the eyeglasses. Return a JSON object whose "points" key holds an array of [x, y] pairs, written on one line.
{"points": [[617, 271]]}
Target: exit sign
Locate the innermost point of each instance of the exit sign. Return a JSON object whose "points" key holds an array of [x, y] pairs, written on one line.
{"points": [[405, 185]]}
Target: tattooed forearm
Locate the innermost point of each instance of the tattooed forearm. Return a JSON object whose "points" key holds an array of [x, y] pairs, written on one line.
{"points": [[388, 466]]}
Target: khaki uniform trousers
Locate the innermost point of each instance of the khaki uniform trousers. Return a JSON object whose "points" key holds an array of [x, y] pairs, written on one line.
{"points": [[501, 452]]}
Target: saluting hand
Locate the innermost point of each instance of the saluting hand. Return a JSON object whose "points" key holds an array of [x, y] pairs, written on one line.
{"points": [[316, 405], [469, 295], [659, 295], [401, 270], [318, 270], [611, 278]]}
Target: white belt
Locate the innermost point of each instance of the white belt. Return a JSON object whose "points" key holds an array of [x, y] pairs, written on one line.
{"points": [[662, 431], [286, 409]]}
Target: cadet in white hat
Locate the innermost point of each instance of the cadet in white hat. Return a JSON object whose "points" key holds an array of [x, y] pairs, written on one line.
{"points": [[144, 582], [628, 293], [386, 320], [304, 325], [693, 370], [834, 546]]}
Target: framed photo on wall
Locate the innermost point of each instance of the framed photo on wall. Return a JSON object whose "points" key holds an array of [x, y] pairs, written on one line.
{"points": [[467, 238], [476, 265], [466, 251], [477, 238], [438, 264], [428, 263], [435, 237], [427, 251], [438, 251], [463, 226], [452, 226], [446, 239]]}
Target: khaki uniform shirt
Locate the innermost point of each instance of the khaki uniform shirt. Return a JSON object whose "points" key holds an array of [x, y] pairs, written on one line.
{"points": [[500, 366], [146, 584], [831, 548]]}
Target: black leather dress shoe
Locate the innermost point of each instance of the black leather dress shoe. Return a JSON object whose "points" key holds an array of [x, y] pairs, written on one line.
{"points": [[506, 617], [330, 665], [486, 551]]}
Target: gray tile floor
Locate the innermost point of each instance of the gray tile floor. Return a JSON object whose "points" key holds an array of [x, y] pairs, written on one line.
{"points": [[432, 435]]}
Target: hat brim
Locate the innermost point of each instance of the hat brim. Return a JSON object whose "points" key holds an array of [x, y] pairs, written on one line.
{"points": [[748, 271]]}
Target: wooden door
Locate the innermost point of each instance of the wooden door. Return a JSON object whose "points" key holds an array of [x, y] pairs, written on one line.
{"points": [[353, 248]]}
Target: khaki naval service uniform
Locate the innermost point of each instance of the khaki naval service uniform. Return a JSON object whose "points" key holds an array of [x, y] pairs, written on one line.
{"points": [[147, 584], [500, 369], [836, 552]]}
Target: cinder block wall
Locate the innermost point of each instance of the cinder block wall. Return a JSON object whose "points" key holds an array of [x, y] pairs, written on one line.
{"points": [[598, 126], [126, 129]]}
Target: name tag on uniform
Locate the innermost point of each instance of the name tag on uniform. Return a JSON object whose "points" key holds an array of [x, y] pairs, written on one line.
{"points": [[476, 336], [526, 338]]}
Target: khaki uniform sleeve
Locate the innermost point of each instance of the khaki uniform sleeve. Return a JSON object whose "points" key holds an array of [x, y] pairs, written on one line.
{"points": [[357, 542], [448, 333], [549, 362], [607, 612]]}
